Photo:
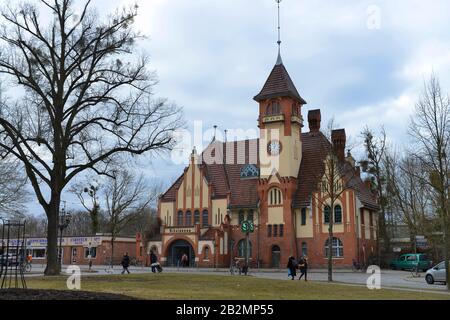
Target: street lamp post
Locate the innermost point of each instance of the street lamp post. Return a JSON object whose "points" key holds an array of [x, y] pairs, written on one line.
{"points": [[64, 221]]}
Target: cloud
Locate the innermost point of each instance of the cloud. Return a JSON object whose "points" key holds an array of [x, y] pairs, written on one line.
{"points": [[213, 56]]}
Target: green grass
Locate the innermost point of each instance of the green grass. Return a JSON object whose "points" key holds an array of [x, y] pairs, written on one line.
{"points": [[213, 287]]}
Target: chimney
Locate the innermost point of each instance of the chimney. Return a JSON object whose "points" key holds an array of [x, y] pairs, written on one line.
{"points": [[339, 139], [314, 119], [358, 171]]}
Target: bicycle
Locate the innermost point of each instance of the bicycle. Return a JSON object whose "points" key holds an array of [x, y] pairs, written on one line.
{"points": [[415, 272], [26, 267], [356, 266], [109, 267]]}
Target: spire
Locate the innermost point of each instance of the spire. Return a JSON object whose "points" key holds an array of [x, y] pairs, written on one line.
{"points": [[279, 83], [279, 60]]}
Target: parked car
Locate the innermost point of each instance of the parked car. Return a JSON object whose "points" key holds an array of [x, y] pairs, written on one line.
{"points": [[436, 274], [410, 262], [9, 260]]}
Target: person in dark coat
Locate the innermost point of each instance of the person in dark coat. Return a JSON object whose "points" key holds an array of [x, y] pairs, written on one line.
{"points": [[303, 266], [291, 267], [125, 263], [153, 261]]}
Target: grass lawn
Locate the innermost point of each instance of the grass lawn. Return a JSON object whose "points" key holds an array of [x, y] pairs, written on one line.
{"points": [[213, 287]]}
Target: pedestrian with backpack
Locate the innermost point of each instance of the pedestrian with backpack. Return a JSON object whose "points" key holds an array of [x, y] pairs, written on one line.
{"points": [[303, 266]]}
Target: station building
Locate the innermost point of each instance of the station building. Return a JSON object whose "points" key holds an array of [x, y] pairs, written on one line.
{"points": [[273, 181]]}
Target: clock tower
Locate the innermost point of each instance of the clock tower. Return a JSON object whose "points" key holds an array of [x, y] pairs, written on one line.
{"points": [[280, 123]]}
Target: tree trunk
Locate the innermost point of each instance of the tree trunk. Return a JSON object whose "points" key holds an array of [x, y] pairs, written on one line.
{"points": [[112, 251], [330, 248], [53, 266], [446, 253]]}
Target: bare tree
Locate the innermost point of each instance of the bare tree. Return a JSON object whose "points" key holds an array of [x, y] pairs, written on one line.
{"points": [[374, 165], [412, 195], [89, 200], [86, 98], [335, 179], [13, 193], [126, 199], [430, 127]]}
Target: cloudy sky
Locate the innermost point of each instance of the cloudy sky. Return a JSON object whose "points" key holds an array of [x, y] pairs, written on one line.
{"points": [[363, 62]]}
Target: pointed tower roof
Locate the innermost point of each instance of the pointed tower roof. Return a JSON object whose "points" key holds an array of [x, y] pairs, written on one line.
{"points": [[279, 84]]}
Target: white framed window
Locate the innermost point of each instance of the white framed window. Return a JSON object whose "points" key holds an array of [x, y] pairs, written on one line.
{"points": [[275, 197], [92, 252], [337, 248]]}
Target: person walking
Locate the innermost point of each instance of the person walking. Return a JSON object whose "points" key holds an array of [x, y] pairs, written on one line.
{"points": [[184, 260], [303, 266], [153, 261], [291, 268], [125, 263]]}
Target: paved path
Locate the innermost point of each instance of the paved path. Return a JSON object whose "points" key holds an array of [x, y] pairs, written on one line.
{"points": [[389, 278]]}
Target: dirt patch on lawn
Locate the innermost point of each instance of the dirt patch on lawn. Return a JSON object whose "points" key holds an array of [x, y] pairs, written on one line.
{"points": [[14, 294]]}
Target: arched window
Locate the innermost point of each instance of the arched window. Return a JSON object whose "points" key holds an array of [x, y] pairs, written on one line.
{"points": [[338, 214], [180, 218], [304, 249], [242, 246], [326, 214], [241, 217], [249, 171], [250, 216], [275, 197], [188, 218], [337, 248], [273, 109], [206, 253], [196, 217], [205, 218]]}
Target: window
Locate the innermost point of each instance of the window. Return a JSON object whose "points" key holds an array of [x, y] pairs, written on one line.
{"points": [[241, 217], [337, 248], [275, 197], [38, 253], [303, 217], [326, 214], [249, 171], [188, 218], [269, 230], [371, 218], [242, 246], [281, 230], [206, 254], [250, 216], [273, 109], [295, 110], [411, 258], [205, 217], [180, 218], [275, 231], [338, 214], [93, 253], [196, 217], [304, 249]]}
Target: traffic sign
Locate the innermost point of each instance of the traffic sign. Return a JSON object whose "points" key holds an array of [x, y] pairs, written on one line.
{"points": [[248, 227]]}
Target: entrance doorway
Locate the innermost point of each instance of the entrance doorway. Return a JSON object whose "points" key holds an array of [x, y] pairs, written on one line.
{"points": [[276, 257], [176, 251]]}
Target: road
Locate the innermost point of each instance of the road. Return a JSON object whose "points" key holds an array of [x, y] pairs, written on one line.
{"points": [[389, 278]]}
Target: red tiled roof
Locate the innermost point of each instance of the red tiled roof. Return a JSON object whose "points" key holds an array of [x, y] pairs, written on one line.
{"points": [[279, 84], [226, 178]]}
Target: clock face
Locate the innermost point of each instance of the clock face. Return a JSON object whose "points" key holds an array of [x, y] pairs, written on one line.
{"points": [[274, 148]]}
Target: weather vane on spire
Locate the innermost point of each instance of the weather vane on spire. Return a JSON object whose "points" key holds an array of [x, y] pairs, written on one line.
{"points": [[279, 61]]}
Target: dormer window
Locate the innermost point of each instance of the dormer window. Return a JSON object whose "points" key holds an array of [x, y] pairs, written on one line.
{"points": [[273, 109], [249, 172]]}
